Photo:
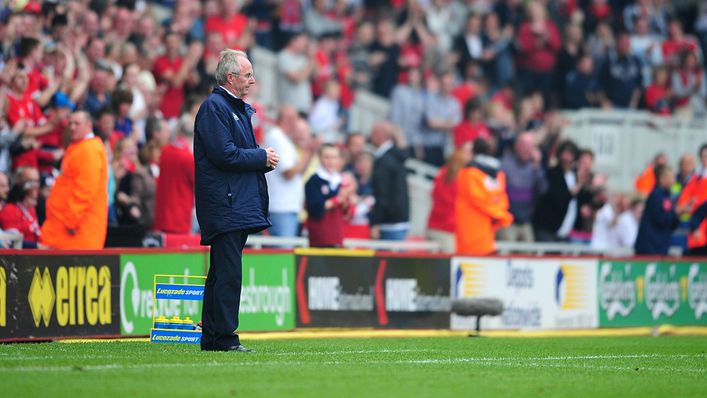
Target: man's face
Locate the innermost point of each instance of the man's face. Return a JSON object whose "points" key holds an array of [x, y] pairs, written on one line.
{"points": [[244, 79], [79, 125], [20, 82], [4, 187], [356, 145]]}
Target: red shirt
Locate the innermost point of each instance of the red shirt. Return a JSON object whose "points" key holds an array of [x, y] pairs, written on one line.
{"points": [[173, 98], [464, 92], [24, 220], [535, 56], [653, 95], [28, 109], [469, 131], [672, 48], [55, 137], [325, 72], [444, 195], [230, 29], [37, 81], [174, 197]]}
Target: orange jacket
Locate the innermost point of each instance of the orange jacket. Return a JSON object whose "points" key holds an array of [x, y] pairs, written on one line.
{"points": [[696, 189], [646, 181], [79, 199], [482, 208]]}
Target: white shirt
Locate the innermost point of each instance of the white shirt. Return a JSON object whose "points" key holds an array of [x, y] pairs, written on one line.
{"points": [[603, 232], [286, 196], [571, 214], [626, 229], [324, 119]]}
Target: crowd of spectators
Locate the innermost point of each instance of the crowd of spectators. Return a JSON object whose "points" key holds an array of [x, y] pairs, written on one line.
{"points": [[489, 72]]}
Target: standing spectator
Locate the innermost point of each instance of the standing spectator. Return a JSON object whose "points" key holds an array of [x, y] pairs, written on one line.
{"points": [[658, 95], [295, 69], [325, 118], [568, 57], [359, 225], [231, 24], [391, 213], [645, 183], [20, 211], [442, 114], [646, 47], [407, 108], [498, 52], [138, 107], [686, 170], [442, 221], [604, 234], [122, 100], [77, 209], [317, 20], [693, 196], [580, 86], [688, 86], [469, 46], [481, 203], [328, 198], [4, 189], [701, 27], [659, 217], [174, 196], [135, 194], [473, 126], [359, 53], [556, 210], [98, 96], [601, 43], [539, 42], [354, 146], [171, 72], [620, 79], [626, 229], [652, 11], [677, 44], [384, 59], [286, 184], [525, 182]]}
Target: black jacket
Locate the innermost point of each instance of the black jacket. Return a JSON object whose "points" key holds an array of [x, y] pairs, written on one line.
{"points": [[552, 206], [390, 188], [231, 191]]}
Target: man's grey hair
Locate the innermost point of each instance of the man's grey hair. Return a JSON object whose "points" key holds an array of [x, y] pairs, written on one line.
{"points": [[228, 63]]}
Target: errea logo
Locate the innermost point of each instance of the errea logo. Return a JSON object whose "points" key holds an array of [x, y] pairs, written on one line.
{"points": [[41, 297]]}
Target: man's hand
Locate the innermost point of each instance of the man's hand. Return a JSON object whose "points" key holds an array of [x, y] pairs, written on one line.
{"points": [[375, 232], [272, 158]]}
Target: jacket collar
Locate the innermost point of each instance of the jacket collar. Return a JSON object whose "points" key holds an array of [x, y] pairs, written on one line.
{"points": [[489, 165], [234, 101]]}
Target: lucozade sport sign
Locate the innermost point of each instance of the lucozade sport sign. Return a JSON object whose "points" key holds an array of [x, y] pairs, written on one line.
{"points": [[551, 293]]}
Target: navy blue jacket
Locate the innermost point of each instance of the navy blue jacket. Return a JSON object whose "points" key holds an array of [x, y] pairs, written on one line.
{"points": [[657, 224], [231, 191]]}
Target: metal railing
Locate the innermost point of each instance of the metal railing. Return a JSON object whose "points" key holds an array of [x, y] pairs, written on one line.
{"points": [[261, 241], [570, 249]]}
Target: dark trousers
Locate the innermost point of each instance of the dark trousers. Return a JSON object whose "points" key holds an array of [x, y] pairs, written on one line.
{"points": [[222, 293]]}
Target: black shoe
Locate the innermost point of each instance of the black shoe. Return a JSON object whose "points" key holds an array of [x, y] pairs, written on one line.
{"points": [[239, 348]]}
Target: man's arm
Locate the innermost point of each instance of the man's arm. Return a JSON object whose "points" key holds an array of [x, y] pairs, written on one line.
{"points": [[220, 148]]}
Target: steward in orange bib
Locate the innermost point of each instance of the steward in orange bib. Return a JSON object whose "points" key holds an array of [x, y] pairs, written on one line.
{"points": [[482, 202], [694, 195], [77, 208]]}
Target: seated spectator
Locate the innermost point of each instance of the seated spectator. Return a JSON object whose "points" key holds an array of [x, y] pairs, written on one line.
{"points": [[525, 182], [19, 213], [481, 203], [442, 221], [620, 78], [473, 125], [658, 95], [328, 199], [325, 119], [660, 217]]}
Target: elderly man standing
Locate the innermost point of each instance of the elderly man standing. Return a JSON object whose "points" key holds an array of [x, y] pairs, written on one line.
{"points": [[77, 208], [231, 194]]}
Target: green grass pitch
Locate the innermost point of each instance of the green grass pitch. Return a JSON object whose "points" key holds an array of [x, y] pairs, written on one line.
{"points": [[413, 367]]}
